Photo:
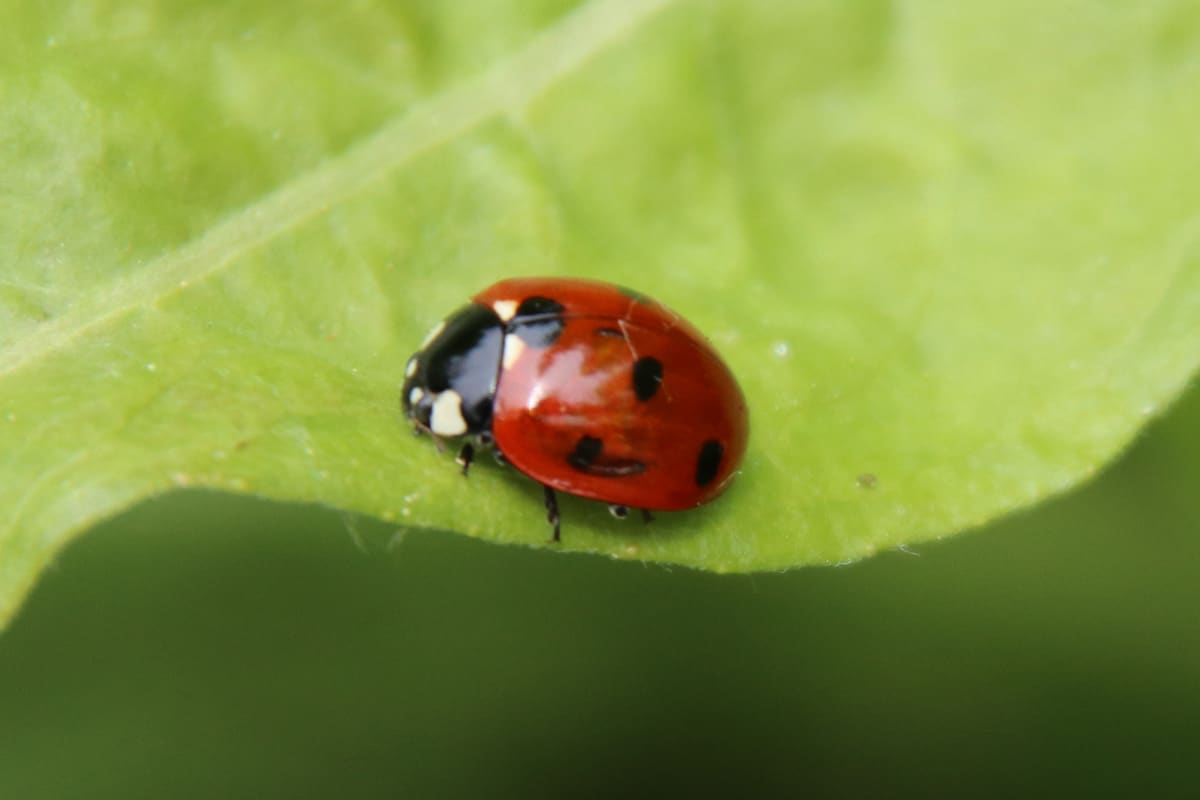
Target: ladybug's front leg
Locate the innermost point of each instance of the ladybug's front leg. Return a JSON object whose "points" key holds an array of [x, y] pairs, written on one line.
{"points": [[466, 455], [552, 511]]}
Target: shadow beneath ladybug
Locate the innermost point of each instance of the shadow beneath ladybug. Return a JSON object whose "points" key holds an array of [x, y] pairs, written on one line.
{"points": [[586, 524]]}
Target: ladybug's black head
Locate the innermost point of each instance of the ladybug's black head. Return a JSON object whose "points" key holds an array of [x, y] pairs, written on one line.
{"points": [[450, 382]]}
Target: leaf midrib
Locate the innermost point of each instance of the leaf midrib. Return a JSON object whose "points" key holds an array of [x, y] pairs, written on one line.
{"points": [[509, 84]]}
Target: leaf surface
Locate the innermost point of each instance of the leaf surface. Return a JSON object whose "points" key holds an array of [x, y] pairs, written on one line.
{"points": [[952, 252]]}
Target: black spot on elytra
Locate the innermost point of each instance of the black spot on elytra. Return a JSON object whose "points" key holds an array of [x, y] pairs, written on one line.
{"points": [[586, 452], [538, 321], [586, 458], [708, 462], [647, 375], [538, 307]]}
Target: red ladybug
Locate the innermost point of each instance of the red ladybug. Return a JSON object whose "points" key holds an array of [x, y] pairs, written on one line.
{"points": [[587, 388]]}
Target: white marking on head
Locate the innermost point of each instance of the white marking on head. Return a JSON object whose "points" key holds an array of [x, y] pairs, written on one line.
{"points": [[505, 309], [514, 346], [433, 334], [447, 418], [415, 395], [410, 369]]}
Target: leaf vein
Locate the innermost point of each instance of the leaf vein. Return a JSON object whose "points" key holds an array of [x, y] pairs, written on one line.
{"points": [[510, 84]]}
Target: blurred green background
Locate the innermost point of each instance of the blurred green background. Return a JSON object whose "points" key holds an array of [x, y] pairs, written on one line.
{"points": [[206, 645]]}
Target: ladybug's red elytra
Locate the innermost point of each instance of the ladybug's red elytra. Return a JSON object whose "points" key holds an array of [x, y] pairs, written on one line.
{"points": [[585, 387]]}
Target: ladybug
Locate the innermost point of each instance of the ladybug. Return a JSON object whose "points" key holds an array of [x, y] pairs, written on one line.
{"points": [[585, 387]]}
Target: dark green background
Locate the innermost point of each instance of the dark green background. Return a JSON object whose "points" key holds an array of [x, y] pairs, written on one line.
{"points": [[207, 646]]}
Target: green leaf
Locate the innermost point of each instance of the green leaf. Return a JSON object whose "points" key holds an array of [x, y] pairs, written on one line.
{"points": [[952, 251]]}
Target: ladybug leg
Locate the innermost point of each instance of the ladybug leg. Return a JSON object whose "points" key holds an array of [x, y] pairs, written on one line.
{"points": [[466, 455], [552, 512], [621, 512]]}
